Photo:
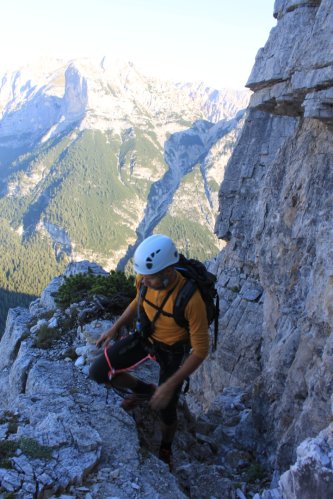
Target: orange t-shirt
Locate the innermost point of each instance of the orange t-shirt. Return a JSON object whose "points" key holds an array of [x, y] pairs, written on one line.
{"points": [[166, 329]]}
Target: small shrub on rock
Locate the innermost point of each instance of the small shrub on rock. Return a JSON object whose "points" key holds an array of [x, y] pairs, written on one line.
{"points": [[7, 450], [33, 449], [28, 446], [45, 337], [84, 286]]}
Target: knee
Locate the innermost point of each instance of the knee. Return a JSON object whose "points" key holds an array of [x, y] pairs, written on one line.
{"points": [[169, 416], [97, 374]]}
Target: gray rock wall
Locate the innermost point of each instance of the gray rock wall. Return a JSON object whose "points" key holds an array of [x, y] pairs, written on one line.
{"points": [[276, 214], [60, 431]]}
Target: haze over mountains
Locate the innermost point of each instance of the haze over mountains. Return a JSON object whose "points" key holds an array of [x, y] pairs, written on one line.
{"points": [[94, 156]]}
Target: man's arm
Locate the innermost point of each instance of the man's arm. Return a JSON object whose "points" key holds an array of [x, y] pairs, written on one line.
{"points": [[196, 316], [163, 394]]}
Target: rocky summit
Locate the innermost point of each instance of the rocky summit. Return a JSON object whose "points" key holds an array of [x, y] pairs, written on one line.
{"points": [[257, 420]]}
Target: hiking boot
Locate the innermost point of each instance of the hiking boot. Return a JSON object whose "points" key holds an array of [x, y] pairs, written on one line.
{"points": [[132, 401], [165, 455]]}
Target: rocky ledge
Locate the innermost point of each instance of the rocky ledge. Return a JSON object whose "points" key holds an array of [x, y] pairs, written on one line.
{"points": [[62, 435]]}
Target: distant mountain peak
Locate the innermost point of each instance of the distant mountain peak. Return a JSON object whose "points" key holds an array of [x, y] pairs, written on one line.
{"points": [[45, 99]]}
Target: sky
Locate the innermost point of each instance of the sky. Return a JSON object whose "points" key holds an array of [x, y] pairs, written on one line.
{"points": [[214, 41]]}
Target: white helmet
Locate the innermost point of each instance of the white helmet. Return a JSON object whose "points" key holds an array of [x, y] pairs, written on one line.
{"points": [[154, 254]]}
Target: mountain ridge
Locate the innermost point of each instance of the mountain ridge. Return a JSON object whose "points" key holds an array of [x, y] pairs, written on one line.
{"points": [[107, 89], [93, 155]]}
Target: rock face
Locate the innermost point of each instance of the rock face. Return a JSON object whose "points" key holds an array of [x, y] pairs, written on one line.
{"points": [[56, 425], [61, 433], [276, 214], [311, 475]]}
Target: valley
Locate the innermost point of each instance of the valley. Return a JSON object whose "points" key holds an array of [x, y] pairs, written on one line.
{"points": [[94, 158]]}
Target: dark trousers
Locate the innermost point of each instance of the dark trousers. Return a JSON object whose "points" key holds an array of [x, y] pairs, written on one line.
{"points": [[127, 353]]}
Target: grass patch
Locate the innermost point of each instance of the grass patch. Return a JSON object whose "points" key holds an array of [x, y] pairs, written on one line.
{"points": [[7, 450], [33, 449], [69, 353], [11, 419], [28, 446], [255, 472], [45, 337]]}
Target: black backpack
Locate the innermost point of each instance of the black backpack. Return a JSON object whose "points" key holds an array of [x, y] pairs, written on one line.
{"points": [[197, 277]]}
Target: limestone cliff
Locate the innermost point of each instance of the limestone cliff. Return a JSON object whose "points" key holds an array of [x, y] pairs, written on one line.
{"points": [[276, 272], [62, 435], [274, 358]]}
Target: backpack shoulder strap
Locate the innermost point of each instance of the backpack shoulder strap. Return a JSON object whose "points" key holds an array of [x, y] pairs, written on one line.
{"points": [[216, 322], [159, 309], [142, 294], [182, 300]]}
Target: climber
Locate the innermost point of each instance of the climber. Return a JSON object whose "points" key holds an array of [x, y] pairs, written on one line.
{"points": [[179, 351]]}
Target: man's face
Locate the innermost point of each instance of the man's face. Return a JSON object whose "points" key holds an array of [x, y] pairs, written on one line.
{"points": [[155, 281]]}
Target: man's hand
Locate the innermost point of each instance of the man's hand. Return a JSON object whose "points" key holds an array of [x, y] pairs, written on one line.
{"points": [[162, 396], [104, 339], [126, 318]]}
